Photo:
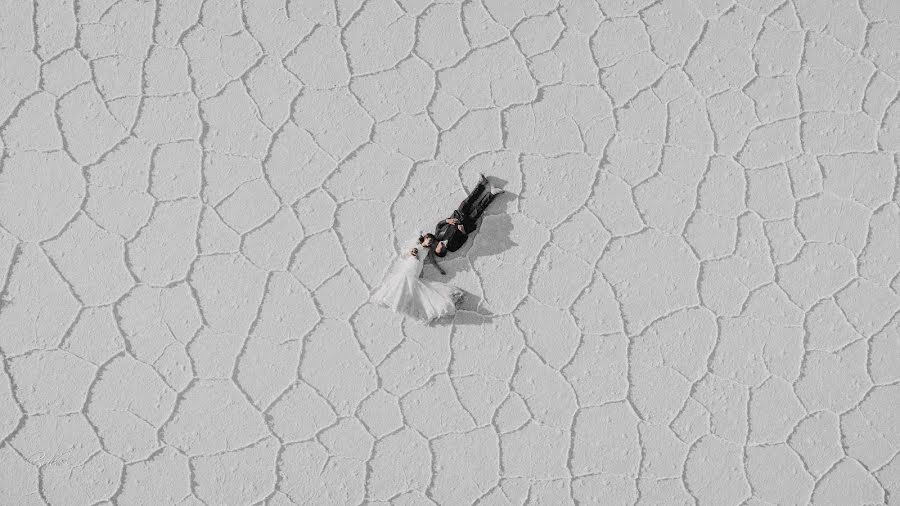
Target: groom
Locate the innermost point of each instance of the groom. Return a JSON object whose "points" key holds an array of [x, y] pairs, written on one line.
{"points": [[453, 232]]}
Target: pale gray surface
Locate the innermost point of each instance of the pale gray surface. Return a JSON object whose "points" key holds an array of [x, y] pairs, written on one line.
{"points": [[689, 293]]}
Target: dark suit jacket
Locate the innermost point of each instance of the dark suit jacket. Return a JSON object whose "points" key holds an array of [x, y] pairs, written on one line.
{"points": [[455, 238]]}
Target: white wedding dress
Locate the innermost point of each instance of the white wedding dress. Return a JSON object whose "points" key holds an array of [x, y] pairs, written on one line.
{"points": [[404, 292]]}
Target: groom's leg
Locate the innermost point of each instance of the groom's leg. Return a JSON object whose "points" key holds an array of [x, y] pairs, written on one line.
{"points": [[482, 204], [468, 205]]}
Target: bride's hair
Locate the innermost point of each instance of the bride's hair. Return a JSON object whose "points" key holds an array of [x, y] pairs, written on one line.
{"points": [[424, 236]]}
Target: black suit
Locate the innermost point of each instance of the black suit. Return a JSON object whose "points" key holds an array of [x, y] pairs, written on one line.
{"points": [[468, 212]]}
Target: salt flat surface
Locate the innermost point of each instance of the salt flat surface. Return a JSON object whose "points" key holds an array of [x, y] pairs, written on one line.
{"points": [[689, 293]]}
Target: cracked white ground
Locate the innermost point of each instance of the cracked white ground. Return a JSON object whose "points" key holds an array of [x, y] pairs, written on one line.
{"points": [[688, 294]]}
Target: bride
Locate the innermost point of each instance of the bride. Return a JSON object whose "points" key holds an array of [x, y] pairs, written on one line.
{"points": [[404, 292]]}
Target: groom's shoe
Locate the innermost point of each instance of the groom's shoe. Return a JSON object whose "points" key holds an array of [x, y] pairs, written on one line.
{"points": [[483, 180]]}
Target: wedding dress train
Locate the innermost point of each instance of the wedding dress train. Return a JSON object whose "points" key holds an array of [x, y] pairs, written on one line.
{"points": [[404, 292]]}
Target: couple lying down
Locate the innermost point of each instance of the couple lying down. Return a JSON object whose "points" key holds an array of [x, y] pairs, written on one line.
{"points": [[404, 290]]}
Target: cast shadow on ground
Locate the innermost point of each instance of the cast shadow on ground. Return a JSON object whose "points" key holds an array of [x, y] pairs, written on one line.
{"points": [[468, 312]]}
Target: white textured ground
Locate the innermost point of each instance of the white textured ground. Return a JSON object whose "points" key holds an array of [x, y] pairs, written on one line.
{"points": [[689, 293]]}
